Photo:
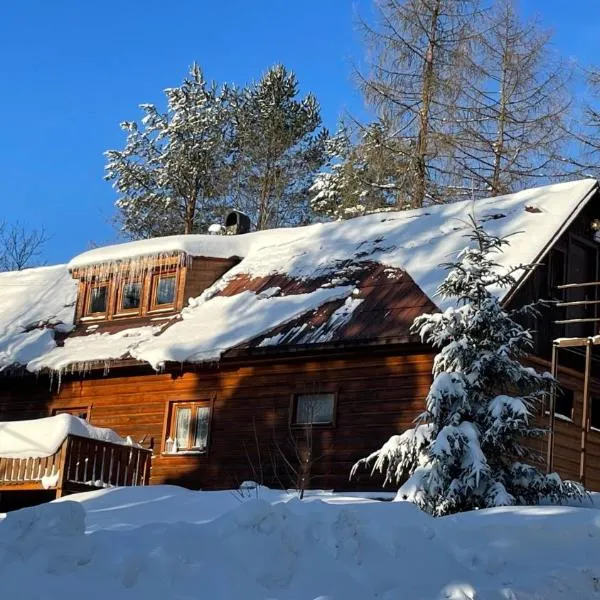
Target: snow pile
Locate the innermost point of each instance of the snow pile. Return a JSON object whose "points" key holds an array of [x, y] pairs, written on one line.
{"points": [[34, 303], [43, 437], [415, 241], [274, 547]]}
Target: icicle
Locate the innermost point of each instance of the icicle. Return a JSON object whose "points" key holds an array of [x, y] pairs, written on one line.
{"points": [[132, 268]]}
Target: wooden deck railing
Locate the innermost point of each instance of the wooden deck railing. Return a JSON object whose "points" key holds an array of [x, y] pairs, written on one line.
{"points": [[79, 464]]}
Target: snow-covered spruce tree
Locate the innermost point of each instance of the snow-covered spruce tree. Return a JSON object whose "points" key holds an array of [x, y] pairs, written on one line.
{"points": [[174, 172], [363, 176], [466, 450]]}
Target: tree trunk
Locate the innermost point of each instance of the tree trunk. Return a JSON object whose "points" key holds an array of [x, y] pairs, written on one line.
{"points": [[420, 187]]}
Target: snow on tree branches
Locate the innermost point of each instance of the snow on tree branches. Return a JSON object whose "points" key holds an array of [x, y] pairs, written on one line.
{"points": [[173, 170], [468, 449], [369, 176]]}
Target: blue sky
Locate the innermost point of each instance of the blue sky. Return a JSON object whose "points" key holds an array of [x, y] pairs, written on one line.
{"points": [[70, 71]]}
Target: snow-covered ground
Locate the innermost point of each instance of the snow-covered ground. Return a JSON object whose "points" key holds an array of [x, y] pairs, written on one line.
{"points": [[165, 542]]}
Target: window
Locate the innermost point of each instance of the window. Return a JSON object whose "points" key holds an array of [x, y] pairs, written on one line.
{"points": [[190, 423], [81, 412], [97, 300], [163, 290], [313, 409], [564, 403], [595, 412], [131, 296]]}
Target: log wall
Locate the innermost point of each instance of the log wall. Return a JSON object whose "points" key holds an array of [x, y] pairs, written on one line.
{"points": [[250, 430], [377, 396]]}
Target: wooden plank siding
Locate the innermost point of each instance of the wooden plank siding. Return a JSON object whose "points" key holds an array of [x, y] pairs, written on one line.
{"points": [[567, 439], [377, 396]]}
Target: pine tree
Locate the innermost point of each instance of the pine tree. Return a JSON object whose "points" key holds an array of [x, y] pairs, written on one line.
{"points": [[468, 449], [279, 146], [419, 52], [174, 171], [364, 177], [511, 125]]}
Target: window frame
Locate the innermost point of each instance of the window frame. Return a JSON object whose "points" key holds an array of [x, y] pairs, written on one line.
{"points": [[86, 313], [294, 408], [127, 312], [562, 390], [155, 276], [170, 424]]}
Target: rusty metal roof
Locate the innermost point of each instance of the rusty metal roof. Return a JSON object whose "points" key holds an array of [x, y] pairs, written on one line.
{"points": [[382, 309]]}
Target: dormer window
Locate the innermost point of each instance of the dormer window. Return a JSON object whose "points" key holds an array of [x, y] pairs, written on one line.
{"points": [[164, 287], [150, 287], [97, 299], [129, 299]]}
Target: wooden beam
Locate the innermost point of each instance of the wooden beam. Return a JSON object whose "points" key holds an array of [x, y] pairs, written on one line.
{"points": [[577, 285], [551, 410], [576, 341], [584, 415], [577, 303], [568, 321]]}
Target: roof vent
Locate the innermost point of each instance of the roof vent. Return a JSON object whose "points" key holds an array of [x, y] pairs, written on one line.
{"points": [[237, 222]]}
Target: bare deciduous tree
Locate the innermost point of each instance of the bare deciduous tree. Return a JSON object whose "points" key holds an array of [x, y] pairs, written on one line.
{"points": [[418, 52], [20, 247], [510, 129], [586, 128]]}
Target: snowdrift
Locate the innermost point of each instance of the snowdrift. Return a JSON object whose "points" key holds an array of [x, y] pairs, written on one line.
{"points": [[164, 542]]}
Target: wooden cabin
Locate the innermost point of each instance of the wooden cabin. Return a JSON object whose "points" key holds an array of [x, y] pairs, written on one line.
{"points": [[284, 356]]}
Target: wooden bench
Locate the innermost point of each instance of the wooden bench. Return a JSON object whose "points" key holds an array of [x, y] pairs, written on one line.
{"points": [[80, 464]]}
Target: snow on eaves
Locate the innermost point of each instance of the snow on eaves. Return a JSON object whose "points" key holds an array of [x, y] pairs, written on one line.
{"points": [[37, 302]]}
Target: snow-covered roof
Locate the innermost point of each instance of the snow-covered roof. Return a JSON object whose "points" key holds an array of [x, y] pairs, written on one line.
{"points": [[33, 305], [215, 246], [37, 438], [327, 272]]}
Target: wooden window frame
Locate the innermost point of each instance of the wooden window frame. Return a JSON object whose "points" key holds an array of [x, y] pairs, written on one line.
{"points": [[155, 276], [304, 392], [86, 314], [170, 424], [129, 312]]}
